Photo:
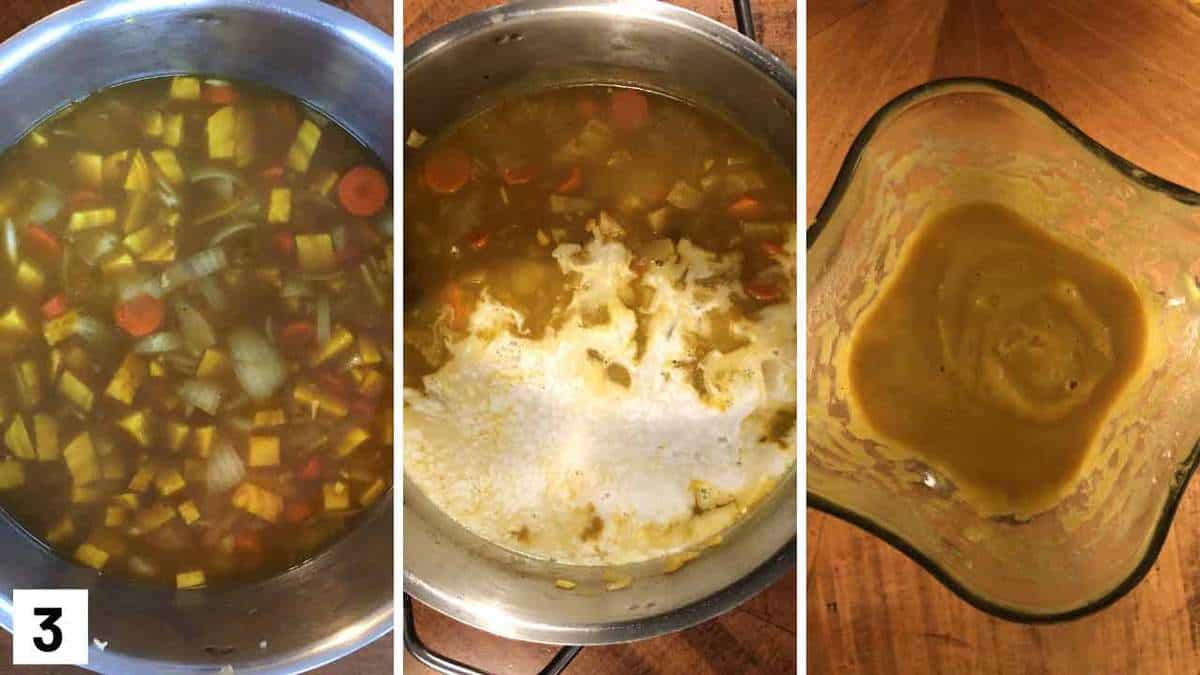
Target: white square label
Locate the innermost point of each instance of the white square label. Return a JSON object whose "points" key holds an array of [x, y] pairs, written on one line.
{"points": [[50, 627]]}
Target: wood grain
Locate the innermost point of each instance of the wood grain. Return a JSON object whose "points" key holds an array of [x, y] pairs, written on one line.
{"points": [[1125, 72], [757, 638], [375, 658]]}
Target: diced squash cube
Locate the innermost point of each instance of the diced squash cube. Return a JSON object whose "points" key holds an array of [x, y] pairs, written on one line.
{"points": [[161, 252], [128, 499], [371, 383], [339, 341], [137, 425], [127, 379], [265, 419], [142, 478], [114, 516], [18, 441], [189, 512], [368, 351], [315, 252], [30, 279], [264, 451], [45, 431], [92, 556], [280, 210], [257, 501], [61, 531], [177, 433], [190, 579], [213, 363], [80, 456], [185, 88], [113, 169], [168, 164], [137, 205], [373, 492], [12, 474], [154, 517], [222, 133], [15, 328], [202, 441], [173, 130], [336, 496], [75, 391], [301, 153], [157, 369], [319, 401], [28, 380], [142, 240], [152, 123], [139, 178], [168, 482], [89, 169], [119, 266], [92, 218], [61, 328], [350, 442]]}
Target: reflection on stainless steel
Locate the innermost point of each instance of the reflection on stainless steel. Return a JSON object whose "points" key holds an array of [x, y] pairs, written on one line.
{"points": [[526, 45], [342, 599]]}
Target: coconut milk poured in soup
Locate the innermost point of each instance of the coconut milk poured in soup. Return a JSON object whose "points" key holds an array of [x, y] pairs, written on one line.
{"points": [[599, 324]]}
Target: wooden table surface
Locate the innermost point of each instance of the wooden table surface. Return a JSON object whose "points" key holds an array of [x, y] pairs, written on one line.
{"points": [[1126, 72], [758, 637], [375, 658]]}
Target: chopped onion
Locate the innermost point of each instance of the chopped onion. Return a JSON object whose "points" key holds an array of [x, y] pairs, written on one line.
{"points": [[198, 333], [202, 264], [47, 206], [213, 294], [94, 246], [140, 285], [224, 182], [322, 319], [224, 468], [158, 343], [12, 245], [258, 367], [231, 230], [204, 394]]}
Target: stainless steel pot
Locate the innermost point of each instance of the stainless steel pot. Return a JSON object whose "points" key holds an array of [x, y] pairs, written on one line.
{"points": [[341, 600], [528, 45]]}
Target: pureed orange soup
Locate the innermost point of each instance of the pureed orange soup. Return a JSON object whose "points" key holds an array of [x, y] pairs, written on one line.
{"points": [[995, 353]]}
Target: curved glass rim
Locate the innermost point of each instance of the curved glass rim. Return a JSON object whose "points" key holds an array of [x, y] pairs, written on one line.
{"points": [[1186, 467]]}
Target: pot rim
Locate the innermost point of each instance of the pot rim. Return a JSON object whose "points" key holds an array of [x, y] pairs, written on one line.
{"points": [[772, 568]]}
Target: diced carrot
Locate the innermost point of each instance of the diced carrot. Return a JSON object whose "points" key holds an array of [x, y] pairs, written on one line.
{"points": [[297, 336], [629, 109], [772, 249], [219, 94], [572, 182], [54, 307], [745, 208], [82, 198], [285, 243], [586, 107], [456, 298], [520, 175], [247, 542], [43, 244], [363, 191], [762, 290], [273, 172], [140, 315], [296, 511], [447, 171], [313, 469], [478, 238]]}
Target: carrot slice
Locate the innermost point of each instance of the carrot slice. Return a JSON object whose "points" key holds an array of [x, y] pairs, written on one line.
{"points": [[520, 175], [219, 94], [296, 512], [745, 208], [629, 109], [446, 172], [363, 191], [247, 542], [54, 307], [140, 315], [571, 183], [274, 172], [298, 335], [43, 244], [285, 243], [312, 469], [761, 290]]}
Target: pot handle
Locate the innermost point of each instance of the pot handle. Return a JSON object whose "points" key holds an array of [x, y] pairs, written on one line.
{"points": [[448, 666], [745, 19]]}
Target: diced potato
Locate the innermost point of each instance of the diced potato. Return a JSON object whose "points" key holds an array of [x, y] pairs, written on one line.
{"points": [[113, 169], [265, 419], [114, 516], [45, 431], [301, 153], [202, 441], [606, 227], [173, 130], [12, 474], [154, 517], [190, 579], [139, 178], [222, 133], [373, 492], [169, 482], [315, 252], [142, 478], [280, 209], [185, 88], [264, 451], [339, 341], [177, 434], [189, 512], [81, 462], [75, 391], [92, 218], [61, 531], [28, 380], [92, 556], [15, 328], [18, 441], [336, 495], [128, 499], [258, 501], [684, 196], [168, 164], [30, 279], [127, 379], [350, 441], [152, 123], [137, 425], [89, 169], [213, 363]]}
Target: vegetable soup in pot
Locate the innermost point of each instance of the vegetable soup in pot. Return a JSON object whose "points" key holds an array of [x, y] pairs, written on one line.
{"points": [[196, 331]]}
